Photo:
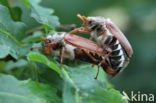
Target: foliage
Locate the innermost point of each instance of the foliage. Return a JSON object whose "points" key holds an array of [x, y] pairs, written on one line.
{"points": [[26, 91], [32, 77]]}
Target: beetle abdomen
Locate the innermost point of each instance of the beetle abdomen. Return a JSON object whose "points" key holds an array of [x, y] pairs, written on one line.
{"points": [[117, 57]]}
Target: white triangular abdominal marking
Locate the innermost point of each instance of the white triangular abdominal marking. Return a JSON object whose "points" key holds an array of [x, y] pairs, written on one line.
{"points": [[118, 55]]}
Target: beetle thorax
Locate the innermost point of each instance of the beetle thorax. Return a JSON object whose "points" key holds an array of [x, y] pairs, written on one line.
{"points": [[97, 19], [96, 23], [107, 37], [57, 38], [98, 27]]}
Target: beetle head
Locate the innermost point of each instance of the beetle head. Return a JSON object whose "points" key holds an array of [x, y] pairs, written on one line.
{"points": [[53, 41], [46, 40], [91, 21]]}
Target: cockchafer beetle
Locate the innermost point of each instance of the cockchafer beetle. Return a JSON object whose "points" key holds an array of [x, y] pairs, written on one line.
{"points": [[73, 47], [108, 35]]}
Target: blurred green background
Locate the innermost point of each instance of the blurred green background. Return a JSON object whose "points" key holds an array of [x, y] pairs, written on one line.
{"points": [[137, 20]]}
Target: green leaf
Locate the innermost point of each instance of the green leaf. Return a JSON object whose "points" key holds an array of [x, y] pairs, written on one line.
{"points": [[20, 63], [4, 2], [9, 27], [16, 13], [11, 46], [103, 96], [8, 43], [25, 2], [5, 51], [18, 68], [26, 91], [8, 46], [43, 15], [80, 85], [42, 59], [33, 38], [2, 65], [10, 31]]}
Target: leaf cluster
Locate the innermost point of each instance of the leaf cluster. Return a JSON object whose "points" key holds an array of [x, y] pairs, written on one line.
{"points": [[33, 77]]}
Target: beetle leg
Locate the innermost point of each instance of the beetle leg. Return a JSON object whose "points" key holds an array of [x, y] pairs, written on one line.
{"points": [[105, 57], [43, 38], [53, 45], [49, 45], [80, 30], [48, 51], [90, 56], [61, 53], [113, 75], [97, 73], [85, 29]]}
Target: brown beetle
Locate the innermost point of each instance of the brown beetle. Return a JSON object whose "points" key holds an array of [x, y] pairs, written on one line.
{"points": [[72, 46], [111, 38]]}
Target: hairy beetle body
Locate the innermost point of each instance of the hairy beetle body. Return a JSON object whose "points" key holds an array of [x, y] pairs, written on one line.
{"points": [[73, 47], [118, 58], [111, 38]]}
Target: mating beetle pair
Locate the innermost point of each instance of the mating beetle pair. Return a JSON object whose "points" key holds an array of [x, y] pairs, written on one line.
{"points": [[111, 49]]}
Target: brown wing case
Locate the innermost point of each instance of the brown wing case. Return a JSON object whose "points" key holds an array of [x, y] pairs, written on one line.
{"points": [[84, 44], [121, 37]]}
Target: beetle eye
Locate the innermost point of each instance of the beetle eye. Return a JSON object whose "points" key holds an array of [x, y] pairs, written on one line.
{"points": [[90, 22], [49, 41]]}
